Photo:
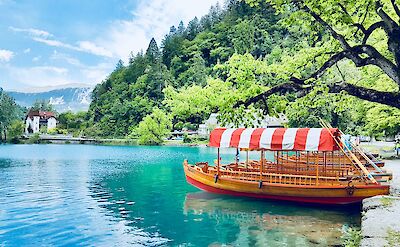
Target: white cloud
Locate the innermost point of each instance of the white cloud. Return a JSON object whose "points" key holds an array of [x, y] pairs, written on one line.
{"points": [[52, 42], [20, 78], [4, 2], [97, 73], [65, 57], [27, 50], [51, 69], [39, 76], [35, 59], [32, 32], [151, 19], [6, 55], [45, 38], [83, 46], [91, 74], [90, 47]]}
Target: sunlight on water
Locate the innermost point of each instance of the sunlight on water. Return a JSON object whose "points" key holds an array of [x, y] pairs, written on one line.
{"points": [[106, 195]]}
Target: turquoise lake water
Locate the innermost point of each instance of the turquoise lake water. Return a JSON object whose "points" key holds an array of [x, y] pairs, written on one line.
{"points": [[67, 195]]}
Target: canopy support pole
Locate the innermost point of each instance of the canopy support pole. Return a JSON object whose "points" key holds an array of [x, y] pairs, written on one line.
{"points": [[247, 158], [218, 161], [261, 164], [287, 160], [317, 168], [237, 156], [277, 160]]}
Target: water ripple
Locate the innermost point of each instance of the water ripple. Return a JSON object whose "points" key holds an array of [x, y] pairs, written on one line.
{"points": [[72, 195]]}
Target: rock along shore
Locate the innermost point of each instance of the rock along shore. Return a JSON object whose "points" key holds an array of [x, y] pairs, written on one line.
{"points": [[380, 223]]}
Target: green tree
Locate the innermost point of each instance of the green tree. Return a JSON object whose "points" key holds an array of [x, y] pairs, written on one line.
{"points": [[382, 121], [153, 53], [242, 74], [193, 28], [196, 72], [154, 128], [181, 28], [366, 33], [9, 111], [72, 122], [15, 130], [243, 37], [42, 105], [120, 65]]}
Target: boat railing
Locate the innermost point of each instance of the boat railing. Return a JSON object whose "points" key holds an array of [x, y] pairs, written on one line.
{"points": [[275, 178], [299, 169]]}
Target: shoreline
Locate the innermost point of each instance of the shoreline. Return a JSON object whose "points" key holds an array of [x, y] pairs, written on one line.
{"points": [[384, 149], [66, 140], [379, 223]]}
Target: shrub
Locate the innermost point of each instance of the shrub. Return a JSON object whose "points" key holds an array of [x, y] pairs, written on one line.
{"points": [[186, 138], [52, 131], [351, 237], [34, 139], [154, 128]]}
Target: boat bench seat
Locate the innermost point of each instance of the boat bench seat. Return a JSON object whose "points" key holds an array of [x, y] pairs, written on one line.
{"points": [[203, 166]]}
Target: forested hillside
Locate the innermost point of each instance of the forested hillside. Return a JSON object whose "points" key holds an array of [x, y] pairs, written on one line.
{"points": [[235, 52]]}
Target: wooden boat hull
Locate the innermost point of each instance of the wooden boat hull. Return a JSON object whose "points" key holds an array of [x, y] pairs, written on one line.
{"points": [[296, 193]]}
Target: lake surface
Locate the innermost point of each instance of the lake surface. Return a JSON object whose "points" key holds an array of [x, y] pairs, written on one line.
{"points": [[57, 195]]}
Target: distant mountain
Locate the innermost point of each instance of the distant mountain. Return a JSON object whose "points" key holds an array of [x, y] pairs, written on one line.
{"points": [[65, 99]]}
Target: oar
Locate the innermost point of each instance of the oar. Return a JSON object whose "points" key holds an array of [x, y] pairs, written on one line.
{"points": [[358, 149], [358, 162]]}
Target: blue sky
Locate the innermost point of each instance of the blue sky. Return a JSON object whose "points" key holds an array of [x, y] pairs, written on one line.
{"points": [[47, 43]]}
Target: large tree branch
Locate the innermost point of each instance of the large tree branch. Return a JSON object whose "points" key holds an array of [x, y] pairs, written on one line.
{"points": [[329, 63], [390, 24], [283, 88], [376, 58], [318, 18], [392, 30], [395, 7], [360, 24], [386, 98], [371, 29]]}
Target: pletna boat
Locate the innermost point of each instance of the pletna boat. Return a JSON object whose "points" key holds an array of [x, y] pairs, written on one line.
{"points": [[309, 180]]}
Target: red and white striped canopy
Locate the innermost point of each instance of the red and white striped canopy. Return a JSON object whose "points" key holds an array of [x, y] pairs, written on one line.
{"points": [[297, 139]]}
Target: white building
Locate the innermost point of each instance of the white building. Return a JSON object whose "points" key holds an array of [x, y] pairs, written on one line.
{"points": [[258, 122], [38, 119]]}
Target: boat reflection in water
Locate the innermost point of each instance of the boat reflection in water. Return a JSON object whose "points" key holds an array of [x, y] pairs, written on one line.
{"points": [[269, 223]]}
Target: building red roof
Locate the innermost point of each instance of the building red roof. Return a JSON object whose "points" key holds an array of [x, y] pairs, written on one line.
{"points": [[41, 114]]}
